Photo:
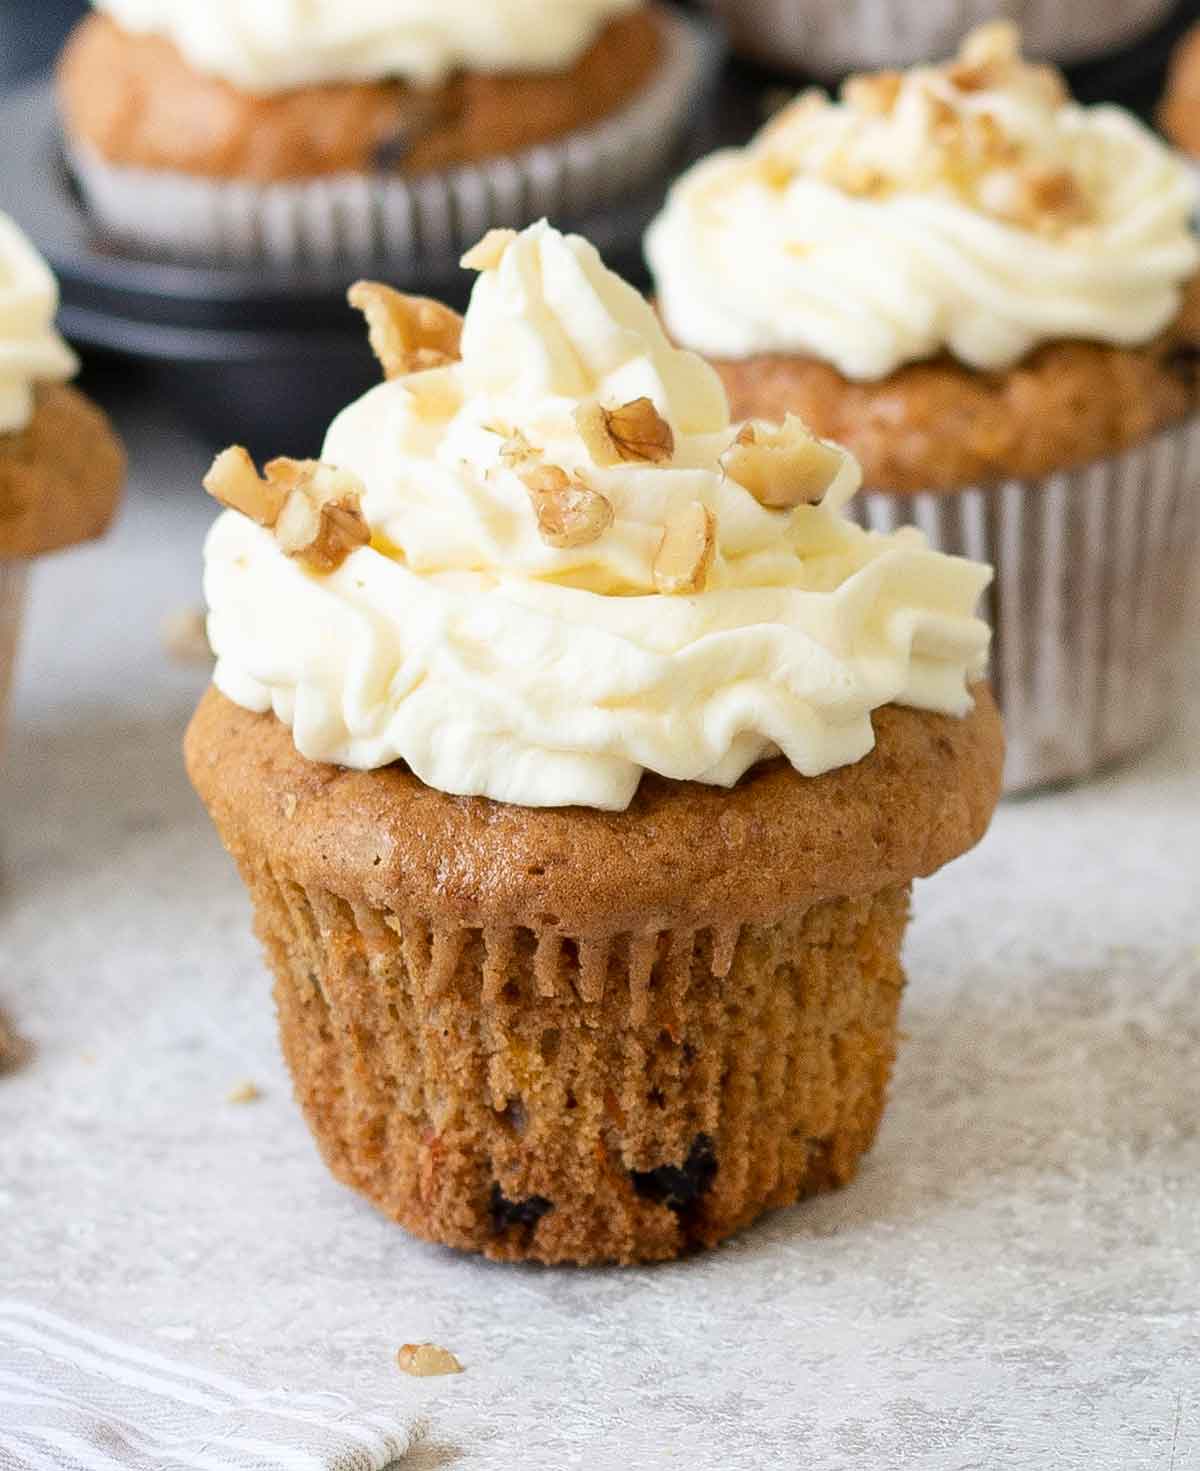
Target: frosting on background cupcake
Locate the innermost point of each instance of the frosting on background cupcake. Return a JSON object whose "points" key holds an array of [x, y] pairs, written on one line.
{"points": [[498, 656], [31, 351], [971, 207], [270, 45]]}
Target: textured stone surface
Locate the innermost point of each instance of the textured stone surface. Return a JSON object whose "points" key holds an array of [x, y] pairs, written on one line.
{"points": [[1012, 1281]]}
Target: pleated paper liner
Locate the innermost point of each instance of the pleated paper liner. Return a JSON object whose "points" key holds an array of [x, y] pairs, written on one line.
{"points": [[831, 37], [533, 1097], [429, 219], [13, 578], [1094, 571]]}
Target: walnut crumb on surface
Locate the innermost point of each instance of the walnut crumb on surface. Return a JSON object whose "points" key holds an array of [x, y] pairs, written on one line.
{"points": [[408, 334], [782, 467], [427, 1360], [489, 252], [569, 513], [246, 1092], [185, 636]]}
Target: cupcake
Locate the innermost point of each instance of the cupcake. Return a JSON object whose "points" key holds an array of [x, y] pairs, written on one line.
{"points": [[578, 754], [1180, 113], [61, 465], [347, 129], [989, 294], [828, 38]]}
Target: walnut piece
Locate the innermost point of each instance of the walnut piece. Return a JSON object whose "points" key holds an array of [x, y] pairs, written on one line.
{"points": [[685, 554], [489, 252], [1036, 198], [315, 510], [635, 431], [569, 513], [427, 1360], [234, 481], [408, 334], [874, 93], [995, 42], [782, 467]]}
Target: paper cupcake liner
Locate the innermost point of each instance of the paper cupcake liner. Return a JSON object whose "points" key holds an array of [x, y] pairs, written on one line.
{"points": [[830, 37], [13, 577], [425, 220], [536, 1097], [1095, 571]]}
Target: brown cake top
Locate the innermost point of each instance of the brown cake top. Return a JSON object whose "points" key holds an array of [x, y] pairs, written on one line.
{"points": [[682, 853], [60, 476]]}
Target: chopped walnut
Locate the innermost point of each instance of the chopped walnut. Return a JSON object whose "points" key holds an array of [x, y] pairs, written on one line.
{"points": [[569, 513], [321, 522], [489, 252], [685, 553], [1036, 198], [314, 509], [408, 334], [234, 481], [783, 467], [997, 41], [875, 93], [635, 431], [427, 1360]]}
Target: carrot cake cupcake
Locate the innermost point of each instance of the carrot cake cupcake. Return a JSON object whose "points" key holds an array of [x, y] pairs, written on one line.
{"points": [[1180, 114], [579, 755], [989, 293], [61, 465], [345, 128]]}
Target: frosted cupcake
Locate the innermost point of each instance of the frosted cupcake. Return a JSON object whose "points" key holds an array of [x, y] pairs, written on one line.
{"points": [[579, 754], [343, 128], [988, 293], [61, 465]]}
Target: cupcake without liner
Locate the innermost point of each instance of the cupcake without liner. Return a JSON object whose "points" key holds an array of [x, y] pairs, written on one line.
{"points": [[61, 465], [357, 139], [828, 38], [989, 294], [579, 765]]}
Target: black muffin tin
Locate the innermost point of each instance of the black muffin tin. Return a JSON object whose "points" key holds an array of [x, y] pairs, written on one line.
{"points": [[267, 356]]}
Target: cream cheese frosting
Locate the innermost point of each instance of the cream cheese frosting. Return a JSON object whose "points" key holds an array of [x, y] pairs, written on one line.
{"points": [[461, 642], [971, 207], [31, 351], [267, 46]]}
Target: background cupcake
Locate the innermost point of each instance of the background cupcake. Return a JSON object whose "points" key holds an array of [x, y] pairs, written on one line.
{"points": [[61, 466], [345, 129], [586, 937], [988, 293], [828, 38], [1180, 114]]}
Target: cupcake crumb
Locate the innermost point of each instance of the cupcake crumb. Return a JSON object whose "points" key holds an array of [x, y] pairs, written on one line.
{"points": [[427, 1360], [14, 1050], [185, 637], [246, 1092]]}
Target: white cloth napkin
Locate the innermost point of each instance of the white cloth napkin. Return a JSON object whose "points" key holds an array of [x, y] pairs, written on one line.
{"points": [[72, 1399]]}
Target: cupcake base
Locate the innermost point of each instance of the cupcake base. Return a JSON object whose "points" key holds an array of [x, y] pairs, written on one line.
{"points": [[517, 1094]]}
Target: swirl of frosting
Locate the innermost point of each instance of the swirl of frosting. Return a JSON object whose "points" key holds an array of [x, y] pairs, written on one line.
{"points": [[493, 662], [31, 351], [970, 207], [270, 45]]}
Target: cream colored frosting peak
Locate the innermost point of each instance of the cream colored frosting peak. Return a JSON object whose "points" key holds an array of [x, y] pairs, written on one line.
{"points": [[495, 660], [31, 351], [969, 206], [270, 45]]}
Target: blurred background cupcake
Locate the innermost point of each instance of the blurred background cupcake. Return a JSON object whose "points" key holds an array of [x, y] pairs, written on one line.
{"points": [[827, 38], [1180, 114], [347, 130], [988, 293], [61, 465]]}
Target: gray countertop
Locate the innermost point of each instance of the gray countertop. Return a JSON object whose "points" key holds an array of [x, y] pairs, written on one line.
{"points": [[1013, 1281]]}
